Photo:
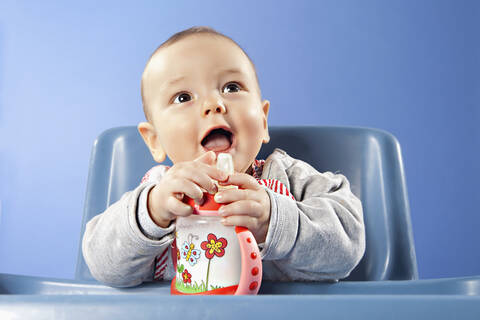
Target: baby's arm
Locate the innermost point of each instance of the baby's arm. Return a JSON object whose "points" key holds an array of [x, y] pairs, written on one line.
{"points": [[320, 236], [115, 250], [120, 245]]}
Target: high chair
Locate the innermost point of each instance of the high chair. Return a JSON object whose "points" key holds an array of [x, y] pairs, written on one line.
{"points": [[369, 158], [384, 285]]}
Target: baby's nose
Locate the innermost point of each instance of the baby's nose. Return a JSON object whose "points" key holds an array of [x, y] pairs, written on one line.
{"points": [[216, 107]]}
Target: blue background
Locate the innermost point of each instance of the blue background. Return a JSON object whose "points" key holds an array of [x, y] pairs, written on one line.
{"points": [[70, 71]]}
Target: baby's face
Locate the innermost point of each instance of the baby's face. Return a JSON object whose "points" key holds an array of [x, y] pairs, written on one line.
{"points": [[203, 95]]}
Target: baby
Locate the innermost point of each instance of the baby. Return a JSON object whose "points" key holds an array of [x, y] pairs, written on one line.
{"points": [[201, 97]]}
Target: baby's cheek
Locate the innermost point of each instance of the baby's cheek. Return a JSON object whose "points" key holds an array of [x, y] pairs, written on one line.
{"points": [[249, 127], [180, 138], [253, 121]]}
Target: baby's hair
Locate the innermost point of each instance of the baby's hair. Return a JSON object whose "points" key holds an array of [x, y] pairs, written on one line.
{"points": [[182, 35]]}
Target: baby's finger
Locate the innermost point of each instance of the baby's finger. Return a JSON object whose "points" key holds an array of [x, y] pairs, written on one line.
{"points": [[199, 177], [213, 172], [242, 180], [187, 187], [241, 221], [242, 208], [179, 196], [231, 195], [208, 158], [177, 208]]}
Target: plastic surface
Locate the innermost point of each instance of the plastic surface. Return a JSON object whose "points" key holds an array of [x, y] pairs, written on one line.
{"points": [[466, 286], [251, 275], [25, 297], [370, 159], [239, 307]]}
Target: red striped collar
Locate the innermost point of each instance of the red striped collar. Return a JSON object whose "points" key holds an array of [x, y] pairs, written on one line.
{"points": [[257, 168]]}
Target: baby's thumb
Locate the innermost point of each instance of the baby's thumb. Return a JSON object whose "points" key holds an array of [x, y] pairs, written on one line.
{"points": [[209, 158]]}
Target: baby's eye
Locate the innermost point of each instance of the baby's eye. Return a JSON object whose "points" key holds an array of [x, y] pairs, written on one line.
{"points": [[231, 87], [182, 97]]}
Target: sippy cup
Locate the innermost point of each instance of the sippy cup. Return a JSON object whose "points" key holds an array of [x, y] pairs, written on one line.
{"points": [[212, 258]]}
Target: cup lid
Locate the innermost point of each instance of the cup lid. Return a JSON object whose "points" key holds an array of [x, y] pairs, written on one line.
{"points": [[208, 208]]}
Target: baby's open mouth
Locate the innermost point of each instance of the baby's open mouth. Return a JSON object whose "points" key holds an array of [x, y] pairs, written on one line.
{"points": [[218, 140]]}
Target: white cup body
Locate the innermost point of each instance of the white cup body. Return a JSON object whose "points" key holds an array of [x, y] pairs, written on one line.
{"points": [[218, 261]]}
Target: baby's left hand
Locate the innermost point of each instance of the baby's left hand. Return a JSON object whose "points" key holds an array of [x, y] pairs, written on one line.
{"points": [[248, 206]]}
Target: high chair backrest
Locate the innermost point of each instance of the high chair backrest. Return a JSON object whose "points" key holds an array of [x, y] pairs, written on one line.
{"points": [[369, 158]]}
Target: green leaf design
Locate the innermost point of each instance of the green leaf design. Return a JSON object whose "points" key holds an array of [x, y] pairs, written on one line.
{"points": [[180, 268], [190, 288], [215, 287]]}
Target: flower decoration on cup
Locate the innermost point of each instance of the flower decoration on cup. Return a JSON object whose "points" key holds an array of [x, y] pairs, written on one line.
{"points": [[213, 247], [186, 276]]}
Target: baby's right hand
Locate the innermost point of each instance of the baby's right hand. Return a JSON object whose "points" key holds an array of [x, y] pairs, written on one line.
{"points": [[184, 178]]}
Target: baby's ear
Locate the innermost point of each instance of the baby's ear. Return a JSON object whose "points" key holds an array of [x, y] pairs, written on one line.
{"points": [[265, 107], [149, 135]]}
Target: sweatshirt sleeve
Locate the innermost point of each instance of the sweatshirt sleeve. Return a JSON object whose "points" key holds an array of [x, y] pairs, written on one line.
{"points": [[318, 236], [116, 250]]}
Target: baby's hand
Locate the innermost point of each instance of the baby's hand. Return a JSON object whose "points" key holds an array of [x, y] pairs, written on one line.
{"points": [[248, 206], [189, 178]]}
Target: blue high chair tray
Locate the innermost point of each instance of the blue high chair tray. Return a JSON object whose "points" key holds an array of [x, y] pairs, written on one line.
{"points": [[384, 285], [35, 298]]}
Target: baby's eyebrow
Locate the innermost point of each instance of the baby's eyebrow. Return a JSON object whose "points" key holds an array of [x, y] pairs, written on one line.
{"points": [[172, 82], [232, 70]]}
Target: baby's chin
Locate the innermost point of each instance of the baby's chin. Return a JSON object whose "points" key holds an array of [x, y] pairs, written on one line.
{"points": [[243, 158], [243, 164]]}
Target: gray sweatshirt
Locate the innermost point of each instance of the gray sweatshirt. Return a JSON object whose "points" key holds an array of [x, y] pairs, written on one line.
{"points": [[316, 237]]}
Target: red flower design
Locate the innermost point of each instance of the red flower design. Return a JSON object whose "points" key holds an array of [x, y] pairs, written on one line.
{"points": [[187, 277], [214, 246]]}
